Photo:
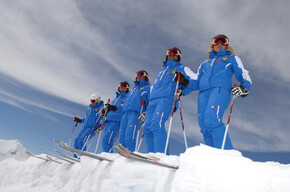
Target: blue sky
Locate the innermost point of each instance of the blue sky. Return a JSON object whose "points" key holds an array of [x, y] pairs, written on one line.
{"points": [[55, 54]]}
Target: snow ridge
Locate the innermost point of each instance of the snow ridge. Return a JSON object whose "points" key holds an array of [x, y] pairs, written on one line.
{"points": [[201, 168], [12, 149]]}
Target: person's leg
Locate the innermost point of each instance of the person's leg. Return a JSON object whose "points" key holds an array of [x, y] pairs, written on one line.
{"points": [[131, 130], [217, 104], [110, 133], [160, 116], [122, 131], [147, 131], [77, 142], [201, 108]]}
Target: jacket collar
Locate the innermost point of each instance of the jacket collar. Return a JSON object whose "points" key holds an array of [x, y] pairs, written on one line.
{"points": [[142, 83], [171, 63], [221, 53], [121, 94]]}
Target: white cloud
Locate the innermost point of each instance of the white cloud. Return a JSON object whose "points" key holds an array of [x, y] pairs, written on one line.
{"points": [[70, 49]]}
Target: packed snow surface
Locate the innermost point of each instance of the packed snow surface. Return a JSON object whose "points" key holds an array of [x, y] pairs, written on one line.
{"points": [[201, 168]]}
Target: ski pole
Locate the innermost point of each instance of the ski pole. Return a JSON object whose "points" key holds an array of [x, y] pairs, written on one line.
{"points": [[138, 132], [91, 133], [182, 125], [140, 142], [90, 143], [104, 119], [75, 125], [172, 111], [228, 123], [114, 143]]}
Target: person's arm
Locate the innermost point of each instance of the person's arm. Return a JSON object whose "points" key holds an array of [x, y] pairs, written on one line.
{"points": [[241, 74]]}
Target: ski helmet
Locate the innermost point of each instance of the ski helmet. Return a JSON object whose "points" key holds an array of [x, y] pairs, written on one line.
{"points": [[178, 52], [124, 84], [142, 73], [95, 96]]}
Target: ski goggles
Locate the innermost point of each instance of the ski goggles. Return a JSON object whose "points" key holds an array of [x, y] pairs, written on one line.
{"points": [[173, 51], [95, 100], [220, 39], [124, 85], [141, 74]]}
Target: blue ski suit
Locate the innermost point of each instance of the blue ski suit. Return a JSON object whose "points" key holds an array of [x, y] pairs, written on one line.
{"points": [[92, 115], [131, 111], [161, 101], [214, 81], [112, 123]]}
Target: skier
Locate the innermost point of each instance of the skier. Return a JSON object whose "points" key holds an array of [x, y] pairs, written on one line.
{"points": [[214, 80], [91, 121], [132, 109], [162, 98], [113, 118]]}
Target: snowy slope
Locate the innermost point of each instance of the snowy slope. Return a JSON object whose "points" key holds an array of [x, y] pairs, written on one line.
{"points": [[201, 169], [12, 149]]}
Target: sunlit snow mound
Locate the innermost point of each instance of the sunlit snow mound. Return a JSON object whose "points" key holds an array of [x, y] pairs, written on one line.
{"points": [[12, 149], [201, 168]]}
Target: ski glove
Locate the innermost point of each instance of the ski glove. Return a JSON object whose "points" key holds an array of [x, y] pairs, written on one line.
{"points": [[78, 120], [183, 81], [179, 93], [240, 91], [98, 130], [142, 117], [102, 112], [111, 107]]}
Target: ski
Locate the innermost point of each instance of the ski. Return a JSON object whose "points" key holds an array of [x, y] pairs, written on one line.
{"points": [[63, 145], [67, 157], [137, 154], [32, 155], [143, 158], [58, 157], [51, 159]]}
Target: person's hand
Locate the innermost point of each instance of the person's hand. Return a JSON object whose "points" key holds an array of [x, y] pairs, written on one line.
{"points": [[77, 120], [102, 112], [182, 81], [111, 107], [240, 91], [142, 117], [98, 130], [179, 93]]}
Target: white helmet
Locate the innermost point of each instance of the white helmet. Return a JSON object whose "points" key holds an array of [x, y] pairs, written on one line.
{"points": [[95, 96]]}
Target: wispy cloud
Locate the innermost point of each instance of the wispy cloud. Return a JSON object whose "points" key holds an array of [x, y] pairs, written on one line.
{"points": [[69, 49]]}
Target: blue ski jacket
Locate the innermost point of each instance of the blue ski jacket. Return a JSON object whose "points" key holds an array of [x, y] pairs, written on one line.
{"points": [[135, 96], [92, 115], [165, 85], [219, 69], [118, 101]]}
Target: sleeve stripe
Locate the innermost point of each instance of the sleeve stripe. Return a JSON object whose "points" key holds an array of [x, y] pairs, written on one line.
{"points": [[245, 73], [191, 74]]}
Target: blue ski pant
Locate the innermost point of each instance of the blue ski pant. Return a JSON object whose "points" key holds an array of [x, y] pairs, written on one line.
{"points": [[128, 129], [82, 137], [155, 134], [212, 104], [111, 131]]}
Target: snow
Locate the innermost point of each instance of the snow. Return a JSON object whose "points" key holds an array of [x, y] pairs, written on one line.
{"points": [[201, 168], [13, 149]]}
